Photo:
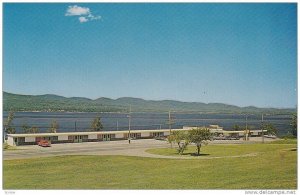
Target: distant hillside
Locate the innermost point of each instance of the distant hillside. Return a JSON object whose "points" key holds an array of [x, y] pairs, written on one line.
{"points": [[51, 103]]}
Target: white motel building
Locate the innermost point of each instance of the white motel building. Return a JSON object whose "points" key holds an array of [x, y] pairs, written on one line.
{"points": [[77, 137]]}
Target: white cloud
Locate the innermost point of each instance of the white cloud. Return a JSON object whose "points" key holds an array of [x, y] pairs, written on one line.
{"points": [[83, 19], [77, 11], [84, 13], [95, 17]]}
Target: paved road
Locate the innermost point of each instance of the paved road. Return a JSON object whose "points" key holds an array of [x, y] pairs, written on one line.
{"points": [[136, 148], [87, 148]]}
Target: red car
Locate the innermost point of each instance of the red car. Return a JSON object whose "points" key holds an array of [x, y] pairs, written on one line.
{"points": [[44, 143]]}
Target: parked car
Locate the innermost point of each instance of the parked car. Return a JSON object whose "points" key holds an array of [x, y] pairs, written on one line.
{"points": [[233, 138], [44, 143], [220, 137], [270, 136]]}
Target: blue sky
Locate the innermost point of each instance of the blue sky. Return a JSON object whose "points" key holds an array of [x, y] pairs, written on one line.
{"points": [[240, 54]]}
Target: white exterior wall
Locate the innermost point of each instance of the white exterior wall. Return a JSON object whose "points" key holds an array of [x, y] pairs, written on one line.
{"points": [[29, 139], [166, 133], [10, 141], [145, 134], [254, 132], [92, 136], [119, 135], [62, 137], [225, 133]]}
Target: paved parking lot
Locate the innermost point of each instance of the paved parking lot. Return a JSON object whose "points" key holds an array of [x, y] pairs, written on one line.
{"points": [[136, 148], [87, 148]]}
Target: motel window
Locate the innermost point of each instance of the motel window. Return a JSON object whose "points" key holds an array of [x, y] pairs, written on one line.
{"points": [[21, 139], [99, 136], [133, 135], [85, 137], [54, 138], [47, 138], [70, 137], [37, 139], [158, 134], [138, 135]]}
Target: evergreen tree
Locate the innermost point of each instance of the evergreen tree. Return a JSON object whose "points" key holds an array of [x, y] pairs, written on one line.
{"points": [[96, 124], [8, 124]]}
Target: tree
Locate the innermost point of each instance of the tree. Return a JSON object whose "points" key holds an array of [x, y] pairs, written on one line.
{"points": [[53, 127], [170, 139], [26, 128], [236, 127], [271, 130], [199, 136], [181, 139], [8, 124], [34, 129], [96, 124], [294, 124]]}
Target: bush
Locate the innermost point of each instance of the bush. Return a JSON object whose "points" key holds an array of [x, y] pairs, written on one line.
{"points": [[288, 136], [5, 146]]}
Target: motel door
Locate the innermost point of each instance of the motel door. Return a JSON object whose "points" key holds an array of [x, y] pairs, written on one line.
{"points": [[78, 138], [133, 135], [106, 137]]}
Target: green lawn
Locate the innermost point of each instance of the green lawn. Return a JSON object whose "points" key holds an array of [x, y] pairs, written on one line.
{"points": [[7, 147], [285, 141], [275, 167], [226, 150]]}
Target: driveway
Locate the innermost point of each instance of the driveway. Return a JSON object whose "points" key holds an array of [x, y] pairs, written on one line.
{"points": [[136, 148]]}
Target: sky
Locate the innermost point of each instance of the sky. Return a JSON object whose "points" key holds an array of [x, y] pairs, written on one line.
{"points": [[238, 54]]}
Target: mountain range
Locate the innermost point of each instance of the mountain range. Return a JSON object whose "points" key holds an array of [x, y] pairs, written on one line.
{"points": [[55, 103]]}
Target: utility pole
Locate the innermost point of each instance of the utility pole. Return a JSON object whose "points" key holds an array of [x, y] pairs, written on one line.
{"points": [[117, 125], [246, 134], [262, 128], [170, 125], [246, 122], [129, 123], [170, 121], [75, 127]]}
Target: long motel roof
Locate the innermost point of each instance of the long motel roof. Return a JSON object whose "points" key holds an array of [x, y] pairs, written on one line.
{"points": [[110, 132], [90, 133]]}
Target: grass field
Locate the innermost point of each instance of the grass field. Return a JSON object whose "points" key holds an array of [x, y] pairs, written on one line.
{"points": [[274, 167], [225, 150], [8, 147]]}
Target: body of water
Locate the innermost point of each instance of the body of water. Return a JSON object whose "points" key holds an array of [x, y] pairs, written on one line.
{"points": [[142, 121]]}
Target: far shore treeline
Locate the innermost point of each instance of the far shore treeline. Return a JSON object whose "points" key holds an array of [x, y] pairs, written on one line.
{"points": [[55, 103]]}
